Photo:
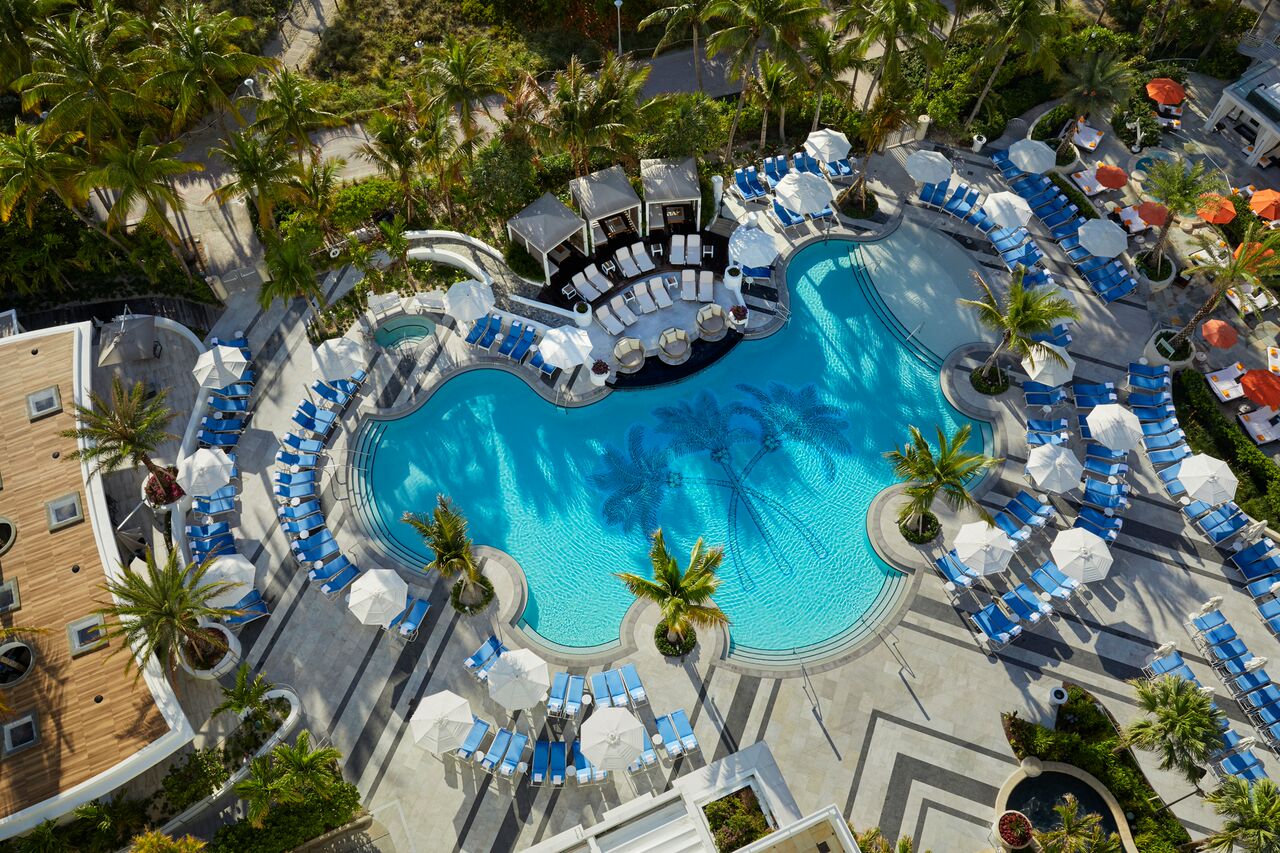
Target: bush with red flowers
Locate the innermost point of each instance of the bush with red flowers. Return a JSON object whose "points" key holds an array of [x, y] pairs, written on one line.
{"points": [[1015, 829], [163, 490], [739, 312]]}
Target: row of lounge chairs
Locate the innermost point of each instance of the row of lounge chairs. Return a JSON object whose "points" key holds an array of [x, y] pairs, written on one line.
{"points": [[632, 262], [651, 295], [748, 186], [519, 339], [1022, 607], [229, 408]]}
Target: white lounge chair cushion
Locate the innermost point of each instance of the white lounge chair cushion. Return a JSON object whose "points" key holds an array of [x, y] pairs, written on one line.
{"points": [[1258, 424], [644, 298], [598, 279], [659, 290], [610, 322], [693, 254], [688, 286], [620, 308], [584, 287], [1226, 382], [642, 257], [626, 263], [677, 250], [706, 287]]}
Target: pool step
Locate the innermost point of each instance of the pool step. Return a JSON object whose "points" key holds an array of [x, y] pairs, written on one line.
{"points": [[863, 279]]}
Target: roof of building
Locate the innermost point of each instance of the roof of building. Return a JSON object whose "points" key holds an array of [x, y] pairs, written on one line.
{"points": [[670, 180], [89, 715], [604, 193], [546, 223]]}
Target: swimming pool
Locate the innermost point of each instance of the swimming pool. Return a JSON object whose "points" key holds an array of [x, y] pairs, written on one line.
{"points": [[776, 452], [398, 330]]}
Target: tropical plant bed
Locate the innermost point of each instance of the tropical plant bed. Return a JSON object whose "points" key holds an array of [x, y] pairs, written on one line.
{"points": [[853, 207], [1085, 736], [1155, 271], [471, 608], [924, 531], [205, 655], [1163, 342], [670, 649], [163, 490], [736, 820], [991, 386], [1073, 194]]}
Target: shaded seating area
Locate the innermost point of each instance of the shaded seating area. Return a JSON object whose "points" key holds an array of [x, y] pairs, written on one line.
{"points": [[610, 207], [672, 196], [552, 233]]}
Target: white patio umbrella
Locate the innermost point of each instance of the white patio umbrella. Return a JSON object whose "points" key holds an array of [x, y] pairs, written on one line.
{"points": [[219, 366], [1054, 468], [983, 548], [338, 358], [468, 300], [1047, 370], [1081, 554], [1103, 238], [1032, 155], [566, 346], [441, 722], [1207, 479], [928, 167], [1114, 426], [377, 596], [1008, 209], [827, 145], [752, 247], [804, 192], [204, 472], [611, 738], [234, 569], [519, 680]]}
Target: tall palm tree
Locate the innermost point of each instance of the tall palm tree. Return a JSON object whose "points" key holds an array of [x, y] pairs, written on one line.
{"points": [[124, 427], [1255, 262], [827, 58], [441, 153], [965, 8], [682, 595], [588, 115], [1251, 812], [444, 531], [314, 189], [1076, 832], [1181, 725], [461, 74], [887, 114], [1023, 313], [750, 26], [113, 820], [1180, 190], [261, 170], [306, 773], [292, 273], [618, 89], [947, 472], [159, 612], [1095, 82], [892, 24], [1025, 24], [678, 18], [292, 111], [247, 697], [522, 103], [393, 148], [260, 789], [156, 841], [772, 86], [19, 20]]}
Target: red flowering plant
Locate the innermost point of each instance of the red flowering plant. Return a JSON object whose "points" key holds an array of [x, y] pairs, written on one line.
{"points": [[162, 487], [1015, 829]]}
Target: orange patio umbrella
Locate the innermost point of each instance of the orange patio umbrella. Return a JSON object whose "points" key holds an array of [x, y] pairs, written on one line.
{"points": [[1262, 387], [1111, 177], [1153, 213], [1219, 333], [1266, 203], [1162, 90], [1216, 209], [1253, 252]]}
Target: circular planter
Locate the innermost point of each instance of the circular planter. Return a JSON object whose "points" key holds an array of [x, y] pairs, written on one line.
{"points": [[222, 667], [1157, 285], [599, 374], [1154, 354], [1058, 696], [738, 319], [142, 493], [1006, 832], [582, 314]]}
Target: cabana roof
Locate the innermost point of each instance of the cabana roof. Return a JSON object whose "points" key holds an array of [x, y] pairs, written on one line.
{"points": [[670, 180], [546, 223], [604, 193]]}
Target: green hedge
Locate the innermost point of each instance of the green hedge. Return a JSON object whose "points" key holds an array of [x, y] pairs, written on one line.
{"points": [[1072, 192], [289, 825], [736, 820], [1209, 431]]}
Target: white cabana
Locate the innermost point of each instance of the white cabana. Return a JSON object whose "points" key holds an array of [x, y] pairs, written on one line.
{"points": [[566, 347], [1114, 426], [549, 231], [234, 569], [1207, 479], [983, 548], [826, 145], [338, 358], [219, 366], [1054, 468], [1008, 209], [672, 194], [205, 471], [1046, 369], [928, 167], [612, 738], [1032, 155], [441, 722], [804, 192], [519, 680], [378, 596], [1252, 102], [1103, 238], [466, 301], [608, 203], [752, 247], [1081, 554]]}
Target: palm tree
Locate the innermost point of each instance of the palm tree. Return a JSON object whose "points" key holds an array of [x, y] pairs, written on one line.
{"points": [[887, 114], [160, 613], [947, 473], [156, 841], [260, 789], [247, 697], [682, 16], [1255, 262], [19, 20], [293, 111], [113, 820], [440, 153], [1096, 82], [873, 841], [521, 111], [306, 773], [1076, 832], [126, 427], [1251, 812], [827, 59], [892, 24], [314, 189], [1025, 312], [772, 85], [1181, 725], [1179, 189], [617, 94], [292, 274], [1025, 24], [444, 531], [262, 169], [461, 74], [682, 595], [589, 115], [750, 26], [393, 148], [44, 838]]}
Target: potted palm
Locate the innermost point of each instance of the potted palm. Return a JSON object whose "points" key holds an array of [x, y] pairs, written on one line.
{"points": [[927, 475], [683, 595], [1014, 830], [1180, 190], [582, 314], [165, 613], [127, 427], [444, 531]]}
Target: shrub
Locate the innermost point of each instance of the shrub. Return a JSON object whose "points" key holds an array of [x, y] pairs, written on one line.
{"points": [[1073, 194], [521, 262], [502, 179], [289, 825], [202, 772], [991, 387], [1235, 229], [674, 650], [367, 201], [736, 820], [455, 597], [928, 531], [1052, 123], [1140, 108]]}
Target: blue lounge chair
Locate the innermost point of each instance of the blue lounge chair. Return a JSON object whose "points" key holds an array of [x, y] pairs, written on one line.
{"points": [[247, 613], [1168, 457], [515, 751], [670, 740], [559, 761], [203, 549], [1024, 515], [486, 340], [1152, 398], [482, 672], [331, 395], [584, 770], [497, 749], [1223, 652], [312, 426], [559, 688], [647, 758], [618, 695], [1150, 383], [1240, 763], [1059, 585], [1260, 698], [1160, 427], [753, 180], [683, 728], [482, 654], [298, 444], [1164, 665], [1253, 553], [1102, 468], [212, 508], [299, 512], [1210, 620], [771, 171], [307, 525], [1227, 530], [329, 569], [1059, 335], [573, 699], [479, 728], [541, 762], [786, 218], [1153, 413], [1249, 682], [301, 460], [1218, 635], [953, 575], [413, 621], [217, 439], [631, 679], [511, 337], [926, 192], [940, 193], [1264, 587], [350, 386], [1263, 568], [522, 346], [238, 389], [1050, 399], [1156, 371], [1164, 442], [840, 168], [313, 543], [477, 330], [301, 478], [340, 581], [238, 405], [208, 531], [1016, 532], [1021, 608], [744, 189], [311, 410], [600, 691], [995, 626], [307, 490]]}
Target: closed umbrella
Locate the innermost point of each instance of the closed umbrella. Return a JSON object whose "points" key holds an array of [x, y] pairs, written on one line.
{"points": [[441, 722], [928, 167], [1153, 213], [1164, 90], [1032, 155], [338, 358], [983, 548], [827, 145], [219, 367], [519, 680], [1114, 426], [377, 597], [1216, 209], [1081, 554], [1103, 238], [1266, 203], [566, 346], [1262, 387], [204, 472], [1009, 210], [1046, 369], [1054, 468], [467, 301], [752, 247], [1111, 177], [611, 738], [804, 192], [1219, 333], [234, 569], [1207, 479]]}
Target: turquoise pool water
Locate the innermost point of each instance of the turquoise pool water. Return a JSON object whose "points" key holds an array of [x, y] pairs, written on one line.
{"points": [[398, 330], [775, 452]]}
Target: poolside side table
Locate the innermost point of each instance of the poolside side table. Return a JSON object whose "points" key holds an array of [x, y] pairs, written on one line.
{"points": [[656, 250], [656, 739], [609, 267], [586, 700]]}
